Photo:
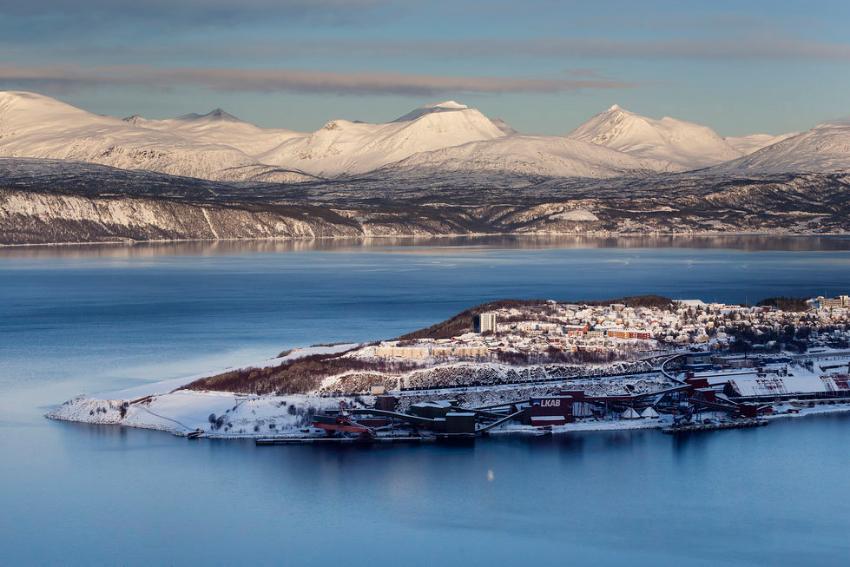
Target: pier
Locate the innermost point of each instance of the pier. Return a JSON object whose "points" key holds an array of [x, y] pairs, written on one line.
{"points": [[365, 440], [695, 427]]}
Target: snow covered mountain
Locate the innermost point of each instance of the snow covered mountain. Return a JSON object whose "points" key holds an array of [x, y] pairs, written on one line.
{"points": [[219, 146], [548, 156], [32, 125], [506, 128], [678, 144], [447, 136], [345, 147], [823, 149], [754, 142], [220, 127]]}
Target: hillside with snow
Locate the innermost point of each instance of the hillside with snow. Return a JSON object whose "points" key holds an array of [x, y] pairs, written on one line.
{"points": [[677, 144], [754, 142], [345, 147], [823, 149], [445, 137], [36, 126], [220, 128], [546, 156]]}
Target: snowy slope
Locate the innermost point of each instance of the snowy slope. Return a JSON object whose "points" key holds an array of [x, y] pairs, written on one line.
{"points": [[678, 144], [448, 136], [532, 155], [32, 125], [823, 149], [506, 128], [344, 147], [754, 142], [220, 127]]}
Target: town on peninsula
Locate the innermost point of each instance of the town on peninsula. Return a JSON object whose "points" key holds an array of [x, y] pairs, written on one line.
{"points": [[522, 367]]}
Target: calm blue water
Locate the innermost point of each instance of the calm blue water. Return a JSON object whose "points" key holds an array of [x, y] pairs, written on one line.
{"points": [[94, 319]]}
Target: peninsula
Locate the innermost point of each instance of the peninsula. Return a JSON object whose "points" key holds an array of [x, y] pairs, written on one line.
{"points": [[530, 366]]}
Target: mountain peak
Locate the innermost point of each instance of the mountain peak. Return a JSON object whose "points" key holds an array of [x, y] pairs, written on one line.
{"points": [[683, 145], [30, 100], [213, 115], [433, 108], [447, 104], [134, 119], [36, 110]]}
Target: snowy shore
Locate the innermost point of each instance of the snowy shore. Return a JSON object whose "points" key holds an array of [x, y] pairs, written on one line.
{"points": [[221, 415], [232, 416], [164, 406]]}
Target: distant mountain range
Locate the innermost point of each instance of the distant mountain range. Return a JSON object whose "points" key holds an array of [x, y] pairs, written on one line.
{"points": [[67, 175], [448, 135]]}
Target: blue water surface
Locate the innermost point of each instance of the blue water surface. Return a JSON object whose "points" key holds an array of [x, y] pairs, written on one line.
{"points": [[91, 319]]}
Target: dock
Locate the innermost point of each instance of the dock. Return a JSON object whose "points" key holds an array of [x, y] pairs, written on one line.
{"points": [[695, 427], [266, 441]]}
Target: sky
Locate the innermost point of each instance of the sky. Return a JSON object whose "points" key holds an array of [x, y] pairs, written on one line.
{"points": [[543, 66]]}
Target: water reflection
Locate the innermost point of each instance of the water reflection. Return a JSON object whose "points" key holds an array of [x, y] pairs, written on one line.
{"points": [[424, 245]]}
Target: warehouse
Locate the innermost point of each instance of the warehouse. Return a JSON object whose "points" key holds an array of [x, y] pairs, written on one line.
{"points": [[794, 385], [555, 410]]}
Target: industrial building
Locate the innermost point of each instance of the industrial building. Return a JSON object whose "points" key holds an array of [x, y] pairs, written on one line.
{"points": [[774, 386]]}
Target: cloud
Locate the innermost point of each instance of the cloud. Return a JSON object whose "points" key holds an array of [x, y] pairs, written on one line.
{"points": [[762, 49], [304, 81], [197, 11], [60, 24], [601, 48]]}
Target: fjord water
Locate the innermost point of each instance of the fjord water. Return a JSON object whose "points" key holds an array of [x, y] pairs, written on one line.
{"points": [[93, 319]]}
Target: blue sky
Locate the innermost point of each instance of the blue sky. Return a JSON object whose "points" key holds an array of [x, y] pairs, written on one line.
{"points": [[543, 66]]}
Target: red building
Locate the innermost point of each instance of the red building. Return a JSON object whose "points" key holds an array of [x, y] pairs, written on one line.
{"points": [[555, 410]]}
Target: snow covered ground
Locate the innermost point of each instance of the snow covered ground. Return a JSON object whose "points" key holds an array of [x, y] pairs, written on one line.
{"points": [[161, 406], [226, 415], [218, 414]]}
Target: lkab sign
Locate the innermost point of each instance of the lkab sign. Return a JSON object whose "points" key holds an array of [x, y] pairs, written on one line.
{"points": [[551, 402]]}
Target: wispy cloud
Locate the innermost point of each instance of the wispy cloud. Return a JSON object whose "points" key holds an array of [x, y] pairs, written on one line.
{"points": [[601, 48], [586, 49], [196, 12], [277, 80]]}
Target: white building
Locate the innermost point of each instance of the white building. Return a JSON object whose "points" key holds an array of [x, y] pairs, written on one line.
{"points": [[487, 322]]}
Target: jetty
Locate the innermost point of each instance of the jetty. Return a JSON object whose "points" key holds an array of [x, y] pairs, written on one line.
{"points": [[714, 426], [360, 440]]}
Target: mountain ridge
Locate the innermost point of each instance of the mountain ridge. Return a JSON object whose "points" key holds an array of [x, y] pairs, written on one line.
{"points": [[679, 144], [446, 135], [826, 147]]}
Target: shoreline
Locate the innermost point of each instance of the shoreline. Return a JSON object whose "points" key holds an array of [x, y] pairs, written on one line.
{"points": [[106, 411], [166, 406], [412, 237], [533, 366]]}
